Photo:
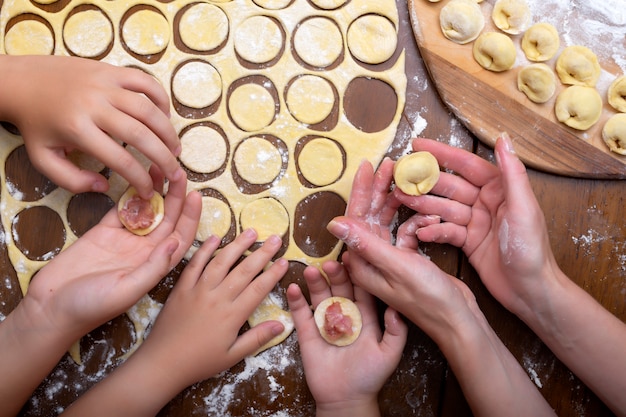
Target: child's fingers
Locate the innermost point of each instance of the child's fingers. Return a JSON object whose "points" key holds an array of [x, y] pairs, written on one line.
{"points": [[226, 258], [252, 294], [252, 340], [396, 330], [302, 314], [317, 285], [195, 268], [340, 283]]}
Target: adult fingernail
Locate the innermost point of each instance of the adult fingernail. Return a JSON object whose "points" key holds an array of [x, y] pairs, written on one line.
{"points": [[338, 229]]}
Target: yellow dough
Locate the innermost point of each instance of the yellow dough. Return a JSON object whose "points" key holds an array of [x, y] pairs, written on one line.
{"points": [[329, 4], [372, 39], [265, 215], [494, 51], [310, 99], [258, 39], [258, 161], [146, 32], [614, 133], [578, 107], [416, 173], [578, 65], [540, 42], [29, 37], [156, 205], [270, 310], [537, 81], [349, 309], [252, 107], [215, 219], [88, 33], [461, 21], [511, 16], [321, 161], [203, 149], [203, 27], [616, 94], [197, 84], [318, 42]]}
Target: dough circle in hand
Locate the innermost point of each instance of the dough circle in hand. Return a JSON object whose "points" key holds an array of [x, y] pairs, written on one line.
{"points": [[372, 39], [614, 133], [537, 81], [511, 16], [140, 216], [269, 310], [416, 173], [578, 107], [197, 84], [258, 161], [617, 94], [88, 33], [494, 51], [267, 216], [461, 21], [338, 320], [203, 27], [578, 65], [540, 42]]}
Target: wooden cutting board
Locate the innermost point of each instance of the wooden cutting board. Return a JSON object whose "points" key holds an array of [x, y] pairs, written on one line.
{"points": [[489, 103]]}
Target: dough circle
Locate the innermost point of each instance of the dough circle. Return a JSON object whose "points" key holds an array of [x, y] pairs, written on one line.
{"points": [[537, 81], [321, 161], [616, 94], [215, 219], [318, 42], [267, 216], [258, 39], [416, 173], [272, 4], [251, 107], [203, 150], [461, 21], [372, 39], [203, 27], [494, 51], [540, 42], [578, 65], [270, 310], [614, 133], [329, 4], [258, 161], [578, 107], [146, 32], [156, 205], [511, 16], [348, 308], [310, 99], [29, 37], [197, 84], [88, 33]]}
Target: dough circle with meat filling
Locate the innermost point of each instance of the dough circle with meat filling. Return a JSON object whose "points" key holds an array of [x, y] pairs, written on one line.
{"points": [[617, 94], [461, 21], [140, 216], [540, 42], [416, 173], [537, 81], [614, 133], [578, 65], [578, 107], [511, 16], [338, 320], [494, 51]]}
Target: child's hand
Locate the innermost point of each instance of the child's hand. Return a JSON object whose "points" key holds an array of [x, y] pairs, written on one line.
{"points": [[345, 381]]}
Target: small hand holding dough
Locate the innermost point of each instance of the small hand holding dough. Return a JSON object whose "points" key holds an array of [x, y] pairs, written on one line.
{"points": [[537, 81], [338, 320], [416, 173], [511, 16], [578, 65], [269, 310], [540, 42], [614, 133], [578, 107], [140, 216], [494, 51], [461, 21], [617, 94]]}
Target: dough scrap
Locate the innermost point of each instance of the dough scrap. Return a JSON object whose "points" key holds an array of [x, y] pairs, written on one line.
{"points": [[310, 99], [537, 81], [203, 27], [88, 33], [265, 215], [128, 212], [348, 309], [494, 51], [372, 39], [29, 37], [321, 161], [258, 161], [614, 133], [461, 21], [258, 39], [578, 65], [215, 219], [203, 149], [540, 42], [616, 94], [578, 107], [146, 32], [511, 16], [318, 42], [416, 173], [270, 310], [197, 84], [251, 107]]}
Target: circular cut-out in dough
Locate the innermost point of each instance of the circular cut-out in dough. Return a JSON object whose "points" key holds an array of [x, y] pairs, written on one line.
{"points": [[540, 42], [310, 99], [203, 150], [616, 94], [321, 161], [197, 84], [140, 216], [258, 39], [318, 42], [416, 173], [258, 161], [146, 32], [88, 33], [338, 320], [29, 37], [251, 107], [578, 107], [372, 39], [272, 4], [267, 216], [215, 219], [203, 27], [537, 81], [461, 21], [268, 310], [614, 133], [329, 4], [511, 16], [578, 65], [494, 51]]}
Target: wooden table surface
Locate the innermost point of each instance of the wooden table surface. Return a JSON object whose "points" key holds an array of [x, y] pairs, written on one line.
{"points": [[584, 218]]}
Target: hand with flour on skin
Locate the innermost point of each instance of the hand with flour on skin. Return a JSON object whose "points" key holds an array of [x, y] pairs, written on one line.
{"points": [[196, 335], [443, 306], [97, 278], [346, 380], [60, 104]]}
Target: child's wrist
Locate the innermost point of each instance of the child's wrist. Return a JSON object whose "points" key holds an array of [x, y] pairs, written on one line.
{"points": [[363, 407]]}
